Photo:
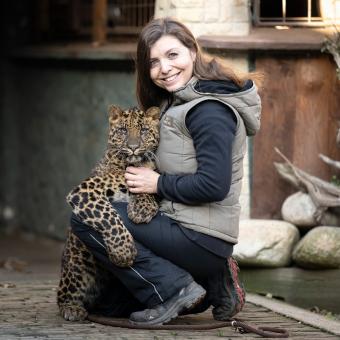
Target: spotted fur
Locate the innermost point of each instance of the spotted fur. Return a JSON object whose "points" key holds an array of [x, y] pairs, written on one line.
{"points": [[133, 138]]}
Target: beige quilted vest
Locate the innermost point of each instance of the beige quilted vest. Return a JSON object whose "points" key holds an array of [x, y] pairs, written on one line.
{"points": [[176, 155]]}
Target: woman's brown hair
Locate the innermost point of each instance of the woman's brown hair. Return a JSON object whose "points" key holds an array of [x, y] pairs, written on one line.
{"points": [[205, 66]]}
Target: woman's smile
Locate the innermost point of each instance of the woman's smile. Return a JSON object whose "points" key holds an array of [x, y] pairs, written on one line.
{"points": [[170, 80]]}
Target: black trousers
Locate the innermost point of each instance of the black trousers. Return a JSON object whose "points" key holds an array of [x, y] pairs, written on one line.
{"points": [[167, 261]]}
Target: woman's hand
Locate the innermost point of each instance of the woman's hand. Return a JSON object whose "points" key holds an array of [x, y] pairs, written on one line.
{"points": [[141, 180]]}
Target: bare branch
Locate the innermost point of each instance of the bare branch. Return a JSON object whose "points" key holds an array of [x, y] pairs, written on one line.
{"points": [[329, 161], [322, 193]]}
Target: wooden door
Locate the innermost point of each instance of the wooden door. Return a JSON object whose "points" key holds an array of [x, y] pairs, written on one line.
{"points": [[300, 116]]}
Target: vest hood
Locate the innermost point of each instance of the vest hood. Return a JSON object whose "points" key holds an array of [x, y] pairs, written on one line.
{"points": [[245, 101]]}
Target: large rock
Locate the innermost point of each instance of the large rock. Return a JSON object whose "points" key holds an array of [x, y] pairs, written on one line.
{"points": [[319, 248], [265, 243], [299, 210]]}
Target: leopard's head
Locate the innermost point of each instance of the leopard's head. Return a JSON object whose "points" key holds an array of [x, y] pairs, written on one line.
{"points": [[134, 133]]}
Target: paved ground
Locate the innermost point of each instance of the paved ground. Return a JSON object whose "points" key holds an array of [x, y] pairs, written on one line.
{"points": [[28, 280]]}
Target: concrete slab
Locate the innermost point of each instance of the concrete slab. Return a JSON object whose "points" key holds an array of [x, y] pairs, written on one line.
{"points": [[296, 313]]}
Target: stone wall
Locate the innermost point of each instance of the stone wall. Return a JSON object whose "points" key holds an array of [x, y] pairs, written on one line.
{"points": [[215, 17]]}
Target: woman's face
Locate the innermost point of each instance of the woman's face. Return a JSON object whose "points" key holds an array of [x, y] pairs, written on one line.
{"points": [[171, 63]]}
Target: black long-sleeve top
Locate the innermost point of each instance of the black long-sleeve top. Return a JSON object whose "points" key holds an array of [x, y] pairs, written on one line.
{"points": [[212, 126]]}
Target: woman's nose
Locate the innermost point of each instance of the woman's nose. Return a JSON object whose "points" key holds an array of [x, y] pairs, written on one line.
{"points": [[165, 66]]}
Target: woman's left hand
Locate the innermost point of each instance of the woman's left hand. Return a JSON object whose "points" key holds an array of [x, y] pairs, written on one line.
{"points": [[141, 180]]}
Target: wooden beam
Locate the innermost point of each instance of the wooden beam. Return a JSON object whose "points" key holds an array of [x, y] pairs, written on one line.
{"points": [[99, 27]]}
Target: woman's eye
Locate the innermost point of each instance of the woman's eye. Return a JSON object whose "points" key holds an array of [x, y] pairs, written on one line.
{"points": [[173, 55], [153, 63]]}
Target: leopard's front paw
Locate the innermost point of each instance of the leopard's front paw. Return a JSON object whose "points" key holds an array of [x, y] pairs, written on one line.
{"points": [[73, 313], [141, 214], [123, 255]]}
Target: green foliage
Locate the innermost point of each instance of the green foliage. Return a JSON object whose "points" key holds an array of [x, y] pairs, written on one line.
{"points": [[335, 180], [220, 333]]}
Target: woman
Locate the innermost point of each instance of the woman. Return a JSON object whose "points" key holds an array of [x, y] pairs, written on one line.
{"points": [[206, 113]]}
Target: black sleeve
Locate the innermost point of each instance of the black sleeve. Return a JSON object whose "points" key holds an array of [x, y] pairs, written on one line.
{"points": [[212, 126]]}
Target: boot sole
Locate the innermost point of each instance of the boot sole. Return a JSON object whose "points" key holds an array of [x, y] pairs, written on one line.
{"points": [[172, 313]]}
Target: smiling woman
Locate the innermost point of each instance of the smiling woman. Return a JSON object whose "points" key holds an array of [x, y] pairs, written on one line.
{"points": [[184, 251]]}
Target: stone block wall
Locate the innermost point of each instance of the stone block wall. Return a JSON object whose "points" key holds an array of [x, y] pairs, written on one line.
{"points": [[204, 17]]}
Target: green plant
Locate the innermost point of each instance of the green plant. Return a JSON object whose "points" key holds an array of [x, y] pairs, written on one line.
{"points": [[220, 333], [335, 180]]}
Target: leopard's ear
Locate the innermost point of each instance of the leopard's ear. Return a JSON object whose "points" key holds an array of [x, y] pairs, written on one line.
{"points": [[114, 112], [153, 112]]}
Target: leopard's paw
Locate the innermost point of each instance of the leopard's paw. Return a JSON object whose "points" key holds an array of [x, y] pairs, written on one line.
{"points": [[123, 255], [140, 215], [73, 313]]}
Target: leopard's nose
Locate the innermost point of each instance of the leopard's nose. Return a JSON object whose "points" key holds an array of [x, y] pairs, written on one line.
{"points": [[133, 147], [133, 142]]}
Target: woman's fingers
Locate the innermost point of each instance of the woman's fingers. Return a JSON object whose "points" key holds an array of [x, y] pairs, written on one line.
{"points": [[141, 180], [133, 170]]}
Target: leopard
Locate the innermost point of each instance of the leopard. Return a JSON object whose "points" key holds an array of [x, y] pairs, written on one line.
{"points": [[132, 141]]}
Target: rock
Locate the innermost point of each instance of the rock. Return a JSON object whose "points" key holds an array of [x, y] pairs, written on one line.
{"points": [[299, 210], [319, 248], [265, 243]]}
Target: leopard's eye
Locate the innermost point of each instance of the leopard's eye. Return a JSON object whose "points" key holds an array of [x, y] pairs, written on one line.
{"points": [[144, 130], [121, 130]]}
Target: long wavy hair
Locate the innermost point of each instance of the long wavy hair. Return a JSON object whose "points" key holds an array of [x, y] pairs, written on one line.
{"points": [[205, 65]]}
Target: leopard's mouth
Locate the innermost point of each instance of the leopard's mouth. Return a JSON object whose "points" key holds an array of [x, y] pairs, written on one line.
{"points": [[134, 159]]}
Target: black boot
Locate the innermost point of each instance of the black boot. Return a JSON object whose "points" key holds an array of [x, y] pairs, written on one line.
{"points": [[226, 292], [188, 297]]}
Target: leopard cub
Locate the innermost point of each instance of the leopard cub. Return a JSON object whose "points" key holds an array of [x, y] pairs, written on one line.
{"points": [[133, 139]]}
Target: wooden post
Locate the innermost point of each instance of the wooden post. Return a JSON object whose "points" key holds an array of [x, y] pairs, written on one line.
{"points": [[75, 8], [42, 19], [300, 110], [99, 27]]}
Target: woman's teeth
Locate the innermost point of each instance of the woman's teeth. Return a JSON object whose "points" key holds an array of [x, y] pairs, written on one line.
{"points": [[170, 78]]}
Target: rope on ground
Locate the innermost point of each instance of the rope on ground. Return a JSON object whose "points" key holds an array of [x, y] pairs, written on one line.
{"points": [[237, 324]]}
